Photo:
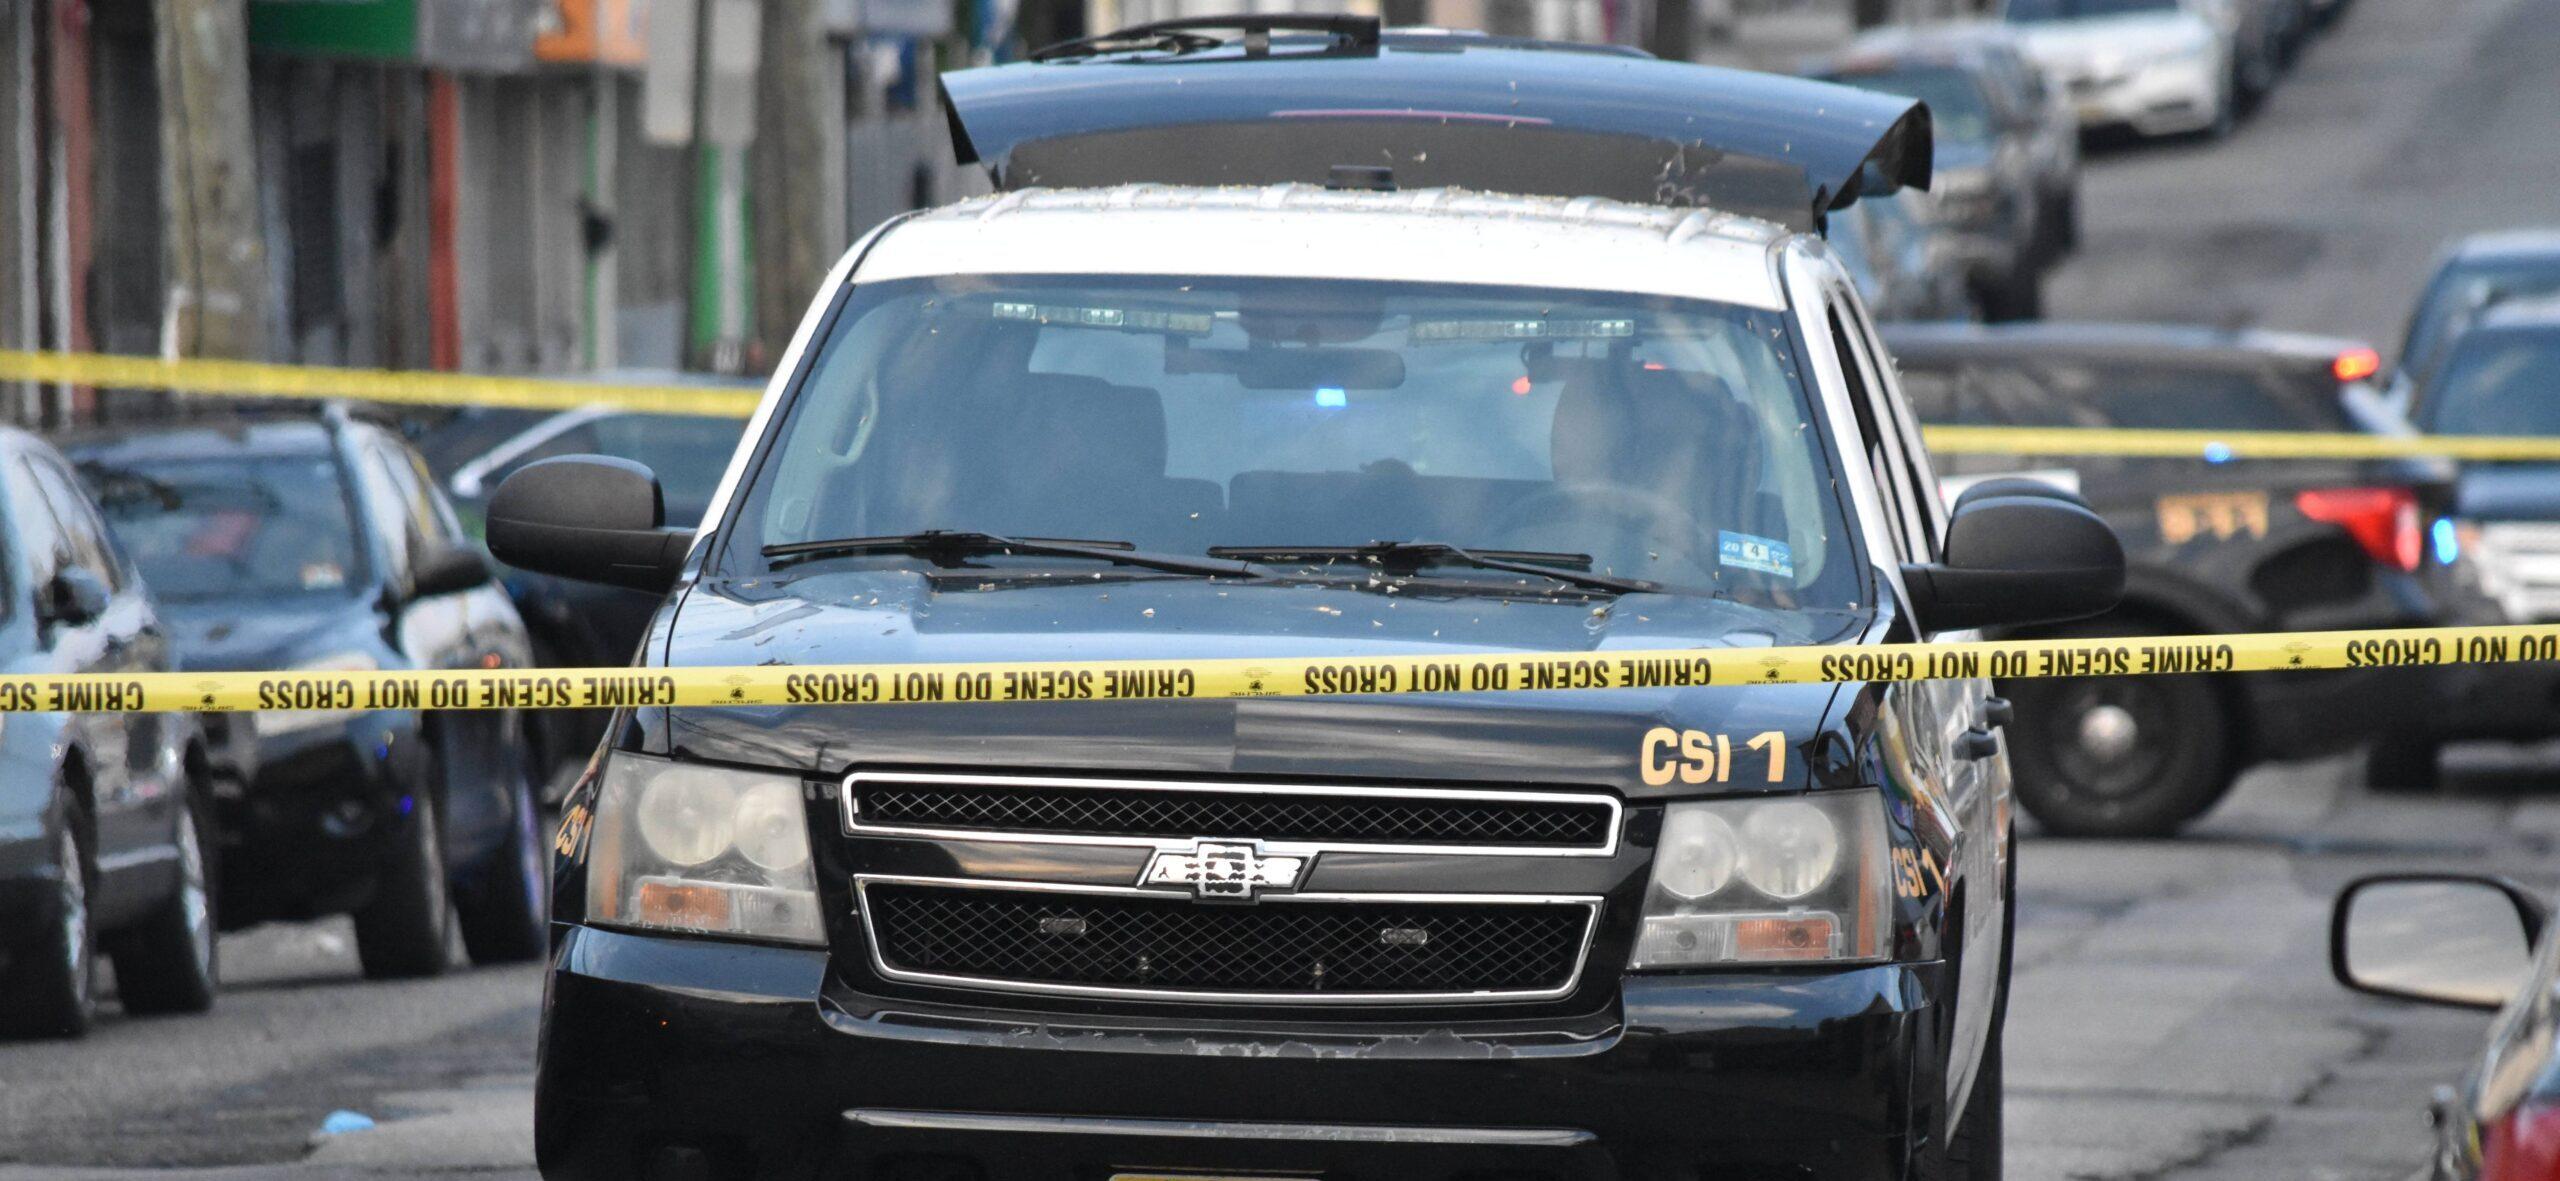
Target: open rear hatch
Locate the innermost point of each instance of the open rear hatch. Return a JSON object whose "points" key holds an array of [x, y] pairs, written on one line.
{"points": [[1329, 98]]}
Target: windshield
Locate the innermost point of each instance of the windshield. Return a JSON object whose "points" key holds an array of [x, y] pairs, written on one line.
{"points": [[1958, 111], [2464, 289], [2062, 10], [688, 454], [232, 528], [1666, 440], [2507, 384]]}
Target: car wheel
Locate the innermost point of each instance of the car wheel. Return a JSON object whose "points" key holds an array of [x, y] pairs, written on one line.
{"points": [[168, 963], [50, 986], [2118, 756], [2403, 764], [402, 932], [1973, 1152], [2019, 295], [2064, 217], [505, 911]]}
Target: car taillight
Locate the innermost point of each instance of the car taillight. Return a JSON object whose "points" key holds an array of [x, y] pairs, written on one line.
{"points": [[2356, 364], [2382, 520], [2522, 1145]]}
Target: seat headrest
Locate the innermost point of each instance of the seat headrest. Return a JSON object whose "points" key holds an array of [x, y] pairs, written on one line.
{"points": [[1088, 419], [1653, 428]]}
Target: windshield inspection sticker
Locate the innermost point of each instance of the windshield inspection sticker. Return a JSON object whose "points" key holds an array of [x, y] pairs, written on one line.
{"points": [[1742, 551]]}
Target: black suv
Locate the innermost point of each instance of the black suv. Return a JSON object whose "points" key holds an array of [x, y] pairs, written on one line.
{"points": [[2216, 544], [1079, 923]]}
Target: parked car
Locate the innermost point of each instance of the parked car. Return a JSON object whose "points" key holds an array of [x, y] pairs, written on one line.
{"points": [[2212, 546], [322, 544], [791, 922], [2160, 67], [2007, 176], [105, 816], [2496, 376], [2480, 272], [576, 624], [2468, 942], [1904, 267]]}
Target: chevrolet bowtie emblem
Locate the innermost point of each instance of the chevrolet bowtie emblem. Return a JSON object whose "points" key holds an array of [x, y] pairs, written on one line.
{"points": [[1216, 870]]}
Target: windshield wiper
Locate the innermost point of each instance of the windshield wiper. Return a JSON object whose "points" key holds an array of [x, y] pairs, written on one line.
{"points": [[1415, 554], [953, 543]]}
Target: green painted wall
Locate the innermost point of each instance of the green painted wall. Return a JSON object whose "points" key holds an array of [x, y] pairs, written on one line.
{"points": [[344, 28]]}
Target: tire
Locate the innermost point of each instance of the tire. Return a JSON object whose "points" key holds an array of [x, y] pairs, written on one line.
{"points": [[2401, 764], [2018, 295], [1973, 1152], [2119, 756], [50, 986], [169, 963], [2064, 217], [505, 911], [402, 932]]}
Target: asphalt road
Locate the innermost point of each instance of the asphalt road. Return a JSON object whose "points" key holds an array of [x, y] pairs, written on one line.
{"points": [[2173, 1016]]}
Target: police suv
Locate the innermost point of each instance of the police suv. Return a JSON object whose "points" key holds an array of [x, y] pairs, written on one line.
{"points": [[1230, 368]]}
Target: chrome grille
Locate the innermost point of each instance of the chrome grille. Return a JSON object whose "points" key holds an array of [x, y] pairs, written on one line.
{"points": [[1302, 949], [2521, 565], [1022, 807]]}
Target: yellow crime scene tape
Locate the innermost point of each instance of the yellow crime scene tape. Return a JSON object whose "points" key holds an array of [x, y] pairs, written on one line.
{"points": [[401, 387], [1274, 677], [410, 388]]}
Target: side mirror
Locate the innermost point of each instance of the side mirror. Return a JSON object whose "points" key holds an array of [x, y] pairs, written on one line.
{"points": [[449, 570], [588, 517], [2447, 939], [2018, 558], [74, 597]]}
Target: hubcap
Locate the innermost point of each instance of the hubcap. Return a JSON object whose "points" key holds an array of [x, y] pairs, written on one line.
{"points": [[75, 912], [2108, 732], [194, 901]]}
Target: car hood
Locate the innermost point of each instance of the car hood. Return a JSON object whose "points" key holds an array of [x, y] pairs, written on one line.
{"points": [[1595, 737], [2097, 45], [231, 635]]}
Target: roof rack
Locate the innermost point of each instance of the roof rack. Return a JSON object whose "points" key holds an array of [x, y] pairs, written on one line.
{"points": [[1347, 34]]}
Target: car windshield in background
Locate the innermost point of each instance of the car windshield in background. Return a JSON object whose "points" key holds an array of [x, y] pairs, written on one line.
{"points": [[233, 528], [1664, 441], [2465, 290], [2499, 386], [1958, 112], [2064, 10], [689, 454], [2099, 394]]}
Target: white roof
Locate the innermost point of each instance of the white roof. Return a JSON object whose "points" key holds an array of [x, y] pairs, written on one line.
{"points": [[1299, 231]]}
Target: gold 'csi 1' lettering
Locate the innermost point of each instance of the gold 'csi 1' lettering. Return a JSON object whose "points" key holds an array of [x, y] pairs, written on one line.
{"points": [[1698, 756], [2220, 515]]}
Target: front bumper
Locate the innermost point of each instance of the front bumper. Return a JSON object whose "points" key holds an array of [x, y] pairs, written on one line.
{"points": [[2162, 98], [305, 837], [660, 1055]]}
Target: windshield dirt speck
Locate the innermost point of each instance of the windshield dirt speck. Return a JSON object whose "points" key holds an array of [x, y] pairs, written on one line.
{"points": [[1642, 439]]}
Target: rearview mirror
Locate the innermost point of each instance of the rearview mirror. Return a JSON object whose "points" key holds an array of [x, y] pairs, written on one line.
{"points": [[588, 517], [449, 570], [75, 596], [2445, 939], [2018, 557]]}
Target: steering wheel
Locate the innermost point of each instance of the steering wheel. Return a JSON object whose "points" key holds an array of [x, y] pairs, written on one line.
{"points": [[1570, 510]]}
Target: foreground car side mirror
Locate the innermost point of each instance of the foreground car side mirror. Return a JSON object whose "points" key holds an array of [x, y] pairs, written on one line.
{"points": [[450, 570], [73, 597], [2018, 557], [588, 517], [2459, 940]]}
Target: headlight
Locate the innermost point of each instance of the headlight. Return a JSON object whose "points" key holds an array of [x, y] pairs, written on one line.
{"points": [[686, 847], [295, 721], [1784, 879]]}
